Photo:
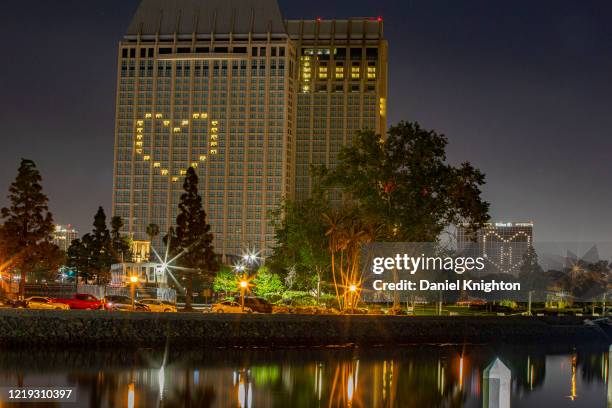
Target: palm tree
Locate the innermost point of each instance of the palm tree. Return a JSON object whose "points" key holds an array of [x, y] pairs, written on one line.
{"points": [[152, 231]]}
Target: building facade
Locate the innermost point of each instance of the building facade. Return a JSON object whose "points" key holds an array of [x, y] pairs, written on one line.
{"points": [[64, 235], [502, 245], [244, 97]]}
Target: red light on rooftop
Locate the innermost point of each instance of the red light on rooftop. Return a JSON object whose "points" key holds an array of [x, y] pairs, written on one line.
{"points": [[379, 19], [319, 19]]}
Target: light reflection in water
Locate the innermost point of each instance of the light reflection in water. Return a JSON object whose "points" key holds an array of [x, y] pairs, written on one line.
{"points": [[573, 395], [373, 378], [130, 399]]}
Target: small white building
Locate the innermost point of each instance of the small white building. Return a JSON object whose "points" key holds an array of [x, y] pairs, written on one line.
{"points": [[148, 273], [497, 379]]}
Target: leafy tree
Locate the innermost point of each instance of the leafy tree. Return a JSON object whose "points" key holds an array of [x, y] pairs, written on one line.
{"points": [[404, 183], [267, 283], [225, 281], [192, 238], [101, 248], [531, 275], [301, 241], [121, 248], [25, 237]]}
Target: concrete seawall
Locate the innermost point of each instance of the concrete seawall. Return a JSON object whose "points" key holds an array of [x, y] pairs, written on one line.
{"points": [[100, 328]]}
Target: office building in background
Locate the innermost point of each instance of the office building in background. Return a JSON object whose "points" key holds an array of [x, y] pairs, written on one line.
{"points": [[64, 235], [502, 245]]}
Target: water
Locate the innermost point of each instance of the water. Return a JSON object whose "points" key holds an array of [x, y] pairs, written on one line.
{"points": [[432, 376]]}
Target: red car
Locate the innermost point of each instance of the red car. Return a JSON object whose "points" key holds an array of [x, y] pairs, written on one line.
{"points": [[82, 301]]}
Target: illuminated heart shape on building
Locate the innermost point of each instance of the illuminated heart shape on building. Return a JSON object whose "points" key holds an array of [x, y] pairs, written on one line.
{"points": [[502, 240], [140, 148]]}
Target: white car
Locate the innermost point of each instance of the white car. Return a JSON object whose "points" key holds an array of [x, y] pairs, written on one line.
{"points": [[156, 305], [229, 306], [42, 302]]}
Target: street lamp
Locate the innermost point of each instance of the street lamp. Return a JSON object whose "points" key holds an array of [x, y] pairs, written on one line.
{"points": [[243, 286], [250, 258], [352, 290], [133, 282]]}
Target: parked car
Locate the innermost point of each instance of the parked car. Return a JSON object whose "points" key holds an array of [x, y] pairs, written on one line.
{"points": [[43, 302], [81, 301], [123, 304], [156, 305], [229, 306], [256, 304]]}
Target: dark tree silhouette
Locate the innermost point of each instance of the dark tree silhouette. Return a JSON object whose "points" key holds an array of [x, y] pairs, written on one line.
{"points": [[192, 237], [25, 236]]}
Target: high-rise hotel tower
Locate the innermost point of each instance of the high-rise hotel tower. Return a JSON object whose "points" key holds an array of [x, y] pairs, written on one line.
{"points": [[246, 98]]}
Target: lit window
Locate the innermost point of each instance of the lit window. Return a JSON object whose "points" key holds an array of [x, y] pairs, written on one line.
{"points": [[159, 116], [213, 151], [202, 158], [185, 123], [339, 72], [156, 164], [196, 116], [371, 72], [148, 116], [166, 122], [323, 72], [194, 164], [183, 172], [215, 122], [203, 115], [146, 158], [164, 172], [175, 179], [140, 122], [383, 106], [355, 72], [177, 130], [139, 130]]}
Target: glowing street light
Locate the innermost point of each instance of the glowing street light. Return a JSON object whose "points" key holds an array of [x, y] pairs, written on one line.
{"points": [[133, 282], [353, 291], [244, 284]]}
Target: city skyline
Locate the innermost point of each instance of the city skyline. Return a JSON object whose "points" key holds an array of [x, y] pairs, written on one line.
{"points": [[531, 104]]}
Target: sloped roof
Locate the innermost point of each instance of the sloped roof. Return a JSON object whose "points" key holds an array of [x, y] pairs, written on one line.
{"points": [[166, 17]]}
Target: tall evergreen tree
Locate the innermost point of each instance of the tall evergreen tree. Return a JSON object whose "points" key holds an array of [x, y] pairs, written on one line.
{"points": [[79, 256], [101, 248], [122, 251], [26, 234], [192, 237]]}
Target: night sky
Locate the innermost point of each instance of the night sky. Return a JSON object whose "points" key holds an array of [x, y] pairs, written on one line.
{"points": [[522, 89]]}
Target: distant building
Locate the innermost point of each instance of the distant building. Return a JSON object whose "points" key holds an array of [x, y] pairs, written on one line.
{"points": [[148, 274], [141, 250], [502, 244], [64, 235]]}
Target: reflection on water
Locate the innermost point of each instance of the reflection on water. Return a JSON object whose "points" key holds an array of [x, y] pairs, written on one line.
{"points": [[444, 376]]}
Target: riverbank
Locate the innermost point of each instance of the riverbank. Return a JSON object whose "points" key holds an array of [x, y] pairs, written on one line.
{"points": [[98, 328]]}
